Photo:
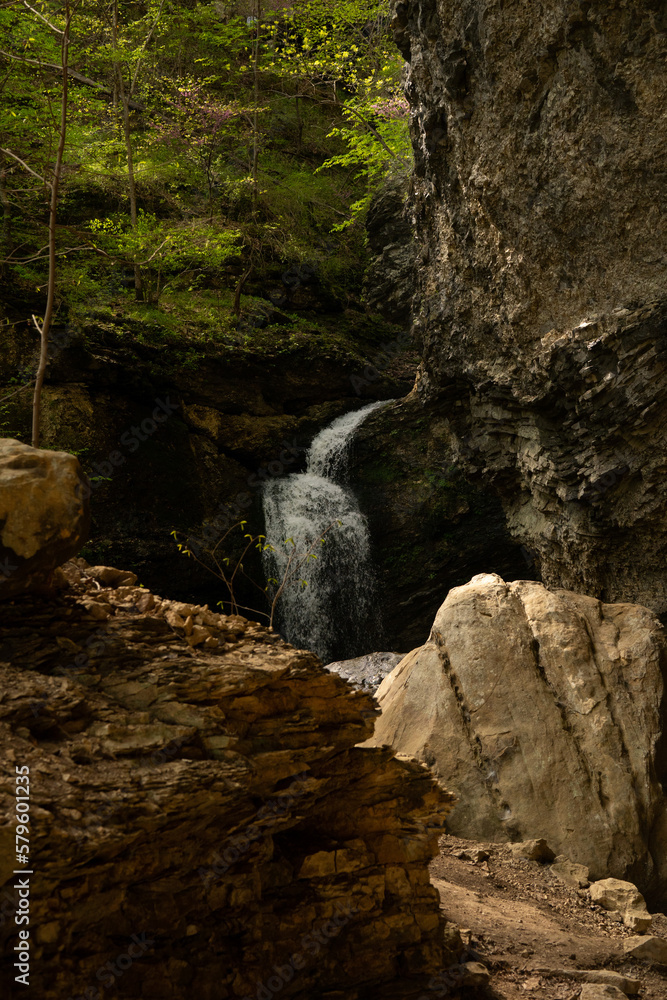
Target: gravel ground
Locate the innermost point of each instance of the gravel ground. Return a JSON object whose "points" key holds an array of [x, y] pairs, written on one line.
{"points": [[533, 932]]}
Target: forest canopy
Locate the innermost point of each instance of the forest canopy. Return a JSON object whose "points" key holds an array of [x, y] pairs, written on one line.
{"points": [[154, 149]]}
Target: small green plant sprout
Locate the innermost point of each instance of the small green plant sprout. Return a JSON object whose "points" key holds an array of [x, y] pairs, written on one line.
{"points": [[296, 560], [221, 567]]}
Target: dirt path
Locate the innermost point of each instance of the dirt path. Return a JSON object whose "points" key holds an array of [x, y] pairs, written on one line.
{"points": [[529, 928]]}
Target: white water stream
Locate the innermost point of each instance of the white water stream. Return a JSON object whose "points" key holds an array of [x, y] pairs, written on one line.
{"points": [[335, 614]]}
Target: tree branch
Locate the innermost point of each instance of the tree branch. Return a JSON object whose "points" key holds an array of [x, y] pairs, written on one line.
{"points": [[79, 77], [42, 18], [18, 159], [53, 218], [147, 39]]}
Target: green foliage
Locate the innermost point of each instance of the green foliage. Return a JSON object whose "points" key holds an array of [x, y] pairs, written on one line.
{"points": [[165, 249], [378, 144], [328, 97]]}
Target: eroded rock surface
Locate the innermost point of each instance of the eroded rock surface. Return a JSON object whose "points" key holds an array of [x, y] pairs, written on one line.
{"points": [[199, 805], [44, 514], [540, 203], [543, 711]]}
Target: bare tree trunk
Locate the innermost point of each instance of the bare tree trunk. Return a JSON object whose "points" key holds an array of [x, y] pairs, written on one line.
{"points": [[255, 117], [299, 120], [6, 214], [236, 307], [53, 218], [131, 186]]}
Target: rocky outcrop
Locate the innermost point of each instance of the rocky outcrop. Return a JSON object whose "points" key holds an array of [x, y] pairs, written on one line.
{"points": [[431, 528], [182, 434], [540, 202], [545, 713], [202, 822], [44, 514]]}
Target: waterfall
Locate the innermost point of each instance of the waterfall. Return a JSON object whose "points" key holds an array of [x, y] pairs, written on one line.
{"points": [[335, 613]]}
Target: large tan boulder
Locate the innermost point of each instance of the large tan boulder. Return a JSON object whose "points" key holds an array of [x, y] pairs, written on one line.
{"points": [[623, 897], [542, 711], [44, 514]]}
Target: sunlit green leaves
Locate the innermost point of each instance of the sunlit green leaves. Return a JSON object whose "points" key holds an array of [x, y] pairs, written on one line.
{"points": [[164, 248]]}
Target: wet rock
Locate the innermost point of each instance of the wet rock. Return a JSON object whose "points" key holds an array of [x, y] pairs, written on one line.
{"points": [[432, 529], [366, 671]]}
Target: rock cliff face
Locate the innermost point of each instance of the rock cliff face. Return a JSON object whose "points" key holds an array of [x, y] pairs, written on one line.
{"points": [[545, 713], [540, 199], [202, 822], [431, 529], [389, 279]]}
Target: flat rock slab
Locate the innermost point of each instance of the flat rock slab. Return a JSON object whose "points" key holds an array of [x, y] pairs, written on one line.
{"points": [[595, 991], [647, 948], [603, 977]]}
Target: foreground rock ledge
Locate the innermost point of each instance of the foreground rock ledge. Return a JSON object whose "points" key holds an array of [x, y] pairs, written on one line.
{"points": [[545, 713], [199, 808]]}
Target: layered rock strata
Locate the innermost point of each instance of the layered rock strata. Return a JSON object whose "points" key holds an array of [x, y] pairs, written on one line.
{"points": [[202, 822], [545, 713], [540, 203]]}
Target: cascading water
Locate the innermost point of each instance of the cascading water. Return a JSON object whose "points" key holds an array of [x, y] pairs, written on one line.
{"points": [[335, 615]]}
